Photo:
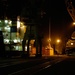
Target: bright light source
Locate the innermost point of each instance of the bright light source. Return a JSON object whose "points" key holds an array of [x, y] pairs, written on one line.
{"points": [[6, 40], [73, 23], [25, 48], [15, 40], [10, 22], [18, 24], [6, 21], [58, 41], [7, 28], [71, 43]]}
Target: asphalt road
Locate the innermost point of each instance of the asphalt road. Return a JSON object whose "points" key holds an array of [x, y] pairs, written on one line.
{"points": [[57, 65], [65, 67], [21, 66], [26, 66]]}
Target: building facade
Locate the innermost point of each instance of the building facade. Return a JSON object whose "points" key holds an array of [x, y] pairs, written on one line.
{"points": [[13, 33]]}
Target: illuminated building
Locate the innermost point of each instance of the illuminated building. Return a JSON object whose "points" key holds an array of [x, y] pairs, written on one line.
{"points": [[20, 37], [13, 33]]}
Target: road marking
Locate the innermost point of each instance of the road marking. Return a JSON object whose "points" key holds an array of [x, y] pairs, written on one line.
{"points": [[47, 66]]}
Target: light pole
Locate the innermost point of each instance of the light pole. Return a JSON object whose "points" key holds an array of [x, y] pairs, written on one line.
{"points": [[57, 45]]}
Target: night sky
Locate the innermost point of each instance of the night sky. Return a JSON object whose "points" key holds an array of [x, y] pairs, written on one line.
{"points": [[56, 15], [61, 21]]}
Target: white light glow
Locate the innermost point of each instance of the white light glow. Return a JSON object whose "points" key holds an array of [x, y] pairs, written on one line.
{"points": [[16, 47], [6, 40], [15, 40], [6, 21], [7, 28], [25, 48], [18, 24]]}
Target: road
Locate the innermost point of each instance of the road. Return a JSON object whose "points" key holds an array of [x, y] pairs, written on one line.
{"points": [[26, 66], [18, 66], [55, 65], [65, 67]]}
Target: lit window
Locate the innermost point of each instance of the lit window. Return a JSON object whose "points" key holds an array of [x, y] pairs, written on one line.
{"points": [[10, 22], [6, 40], [7, 28], [25, 48], [15, 41]]}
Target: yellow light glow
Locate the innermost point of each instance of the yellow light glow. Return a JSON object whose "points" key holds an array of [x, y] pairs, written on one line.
{"points": [[58, 40], [10, 22], [51, 52], [21, 23], [73, 23], [71, 43], [49, 39]]}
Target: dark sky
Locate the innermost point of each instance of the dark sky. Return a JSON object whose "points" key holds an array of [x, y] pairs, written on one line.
{"points": [[56, 14], [61, 21], [11, 7]]}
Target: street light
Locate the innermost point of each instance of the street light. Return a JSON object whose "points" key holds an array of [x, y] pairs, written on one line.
{"points": [[58, 40], [73, 23], [58, 45]]}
